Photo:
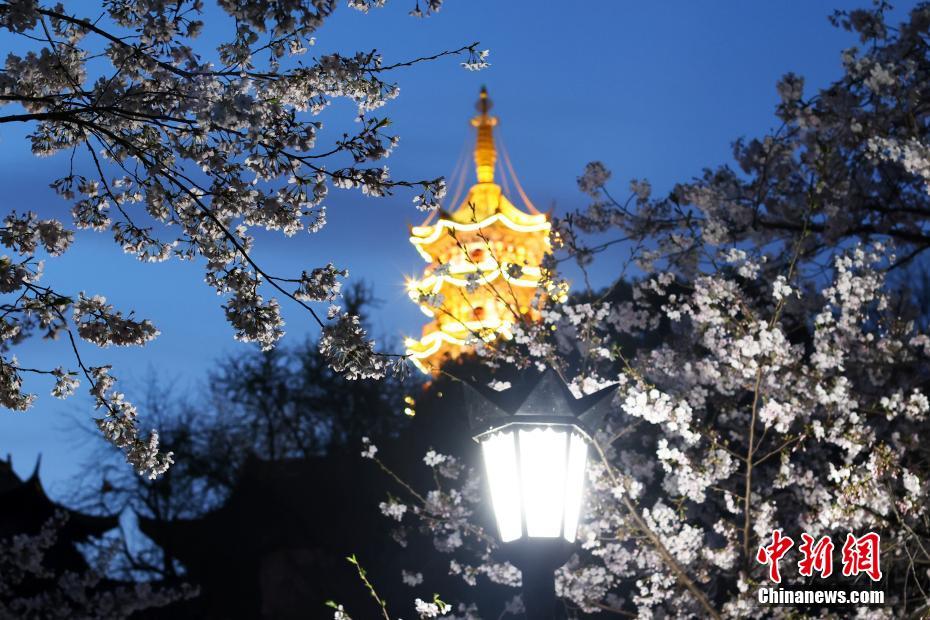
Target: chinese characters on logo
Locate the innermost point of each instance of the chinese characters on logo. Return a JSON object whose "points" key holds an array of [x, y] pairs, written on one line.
{"points": [[771, 554], [817, 556], [859, 555]]}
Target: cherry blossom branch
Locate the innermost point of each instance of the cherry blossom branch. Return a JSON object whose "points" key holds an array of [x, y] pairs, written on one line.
{"points": [[747, 508], [362, 574], [409, 63], [654, 540]]}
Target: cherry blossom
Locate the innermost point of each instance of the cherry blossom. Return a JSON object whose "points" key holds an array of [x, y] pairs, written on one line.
{"points": [[183, 153]]}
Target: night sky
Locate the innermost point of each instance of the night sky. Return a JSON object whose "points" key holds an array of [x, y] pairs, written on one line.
{"points": [[654, 90]]}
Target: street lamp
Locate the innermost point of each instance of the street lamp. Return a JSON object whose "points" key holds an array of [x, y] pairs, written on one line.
{"points": [[535, 461]]}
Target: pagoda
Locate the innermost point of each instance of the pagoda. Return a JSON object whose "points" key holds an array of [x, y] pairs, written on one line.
{"points": [[483, 274]]}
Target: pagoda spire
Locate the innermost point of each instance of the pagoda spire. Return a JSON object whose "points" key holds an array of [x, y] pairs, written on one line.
{"points": [[485, 154]]}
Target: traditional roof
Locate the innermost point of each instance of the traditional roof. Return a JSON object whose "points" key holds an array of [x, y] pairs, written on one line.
{"points": [[25, 508], [484, 206], [285, 524]]}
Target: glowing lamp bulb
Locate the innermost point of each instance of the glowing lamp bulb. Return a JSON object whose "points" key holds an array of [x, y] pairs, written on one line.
{"points": [[536, 478]]}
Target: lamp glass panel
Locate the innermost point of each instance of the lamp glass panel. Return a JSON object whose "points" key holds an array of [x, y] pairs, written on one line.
{"points": [[500, 461], [542, 477], [574, 484]]}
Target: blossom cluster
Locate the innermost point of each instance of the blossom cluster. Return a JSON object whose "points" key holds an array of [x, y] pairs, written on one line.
{"points": [[184, 154], [29, 588]]}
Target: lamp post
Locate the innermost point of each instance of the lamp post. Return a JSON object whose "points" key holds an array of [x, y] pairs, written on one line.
{"points": [[535, 460]]}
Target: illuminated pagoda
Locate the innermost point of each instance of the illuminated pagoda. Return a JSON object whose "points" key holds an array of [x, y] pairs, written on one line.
{"points": [[484, 261]]}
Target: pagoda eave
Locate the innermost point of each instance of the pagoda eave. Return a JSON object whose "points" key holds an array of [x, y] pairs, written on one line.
{"points": [[435, 247]]}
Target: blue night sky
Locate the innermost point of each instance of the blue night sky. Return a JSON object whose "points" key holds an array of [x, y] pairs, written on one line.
{"points": [[654, 90]]}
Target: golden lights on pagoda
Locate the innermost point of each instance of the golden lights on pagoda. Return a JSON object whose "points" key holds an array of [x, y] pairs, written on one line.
{"points": [[484, 262]]}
